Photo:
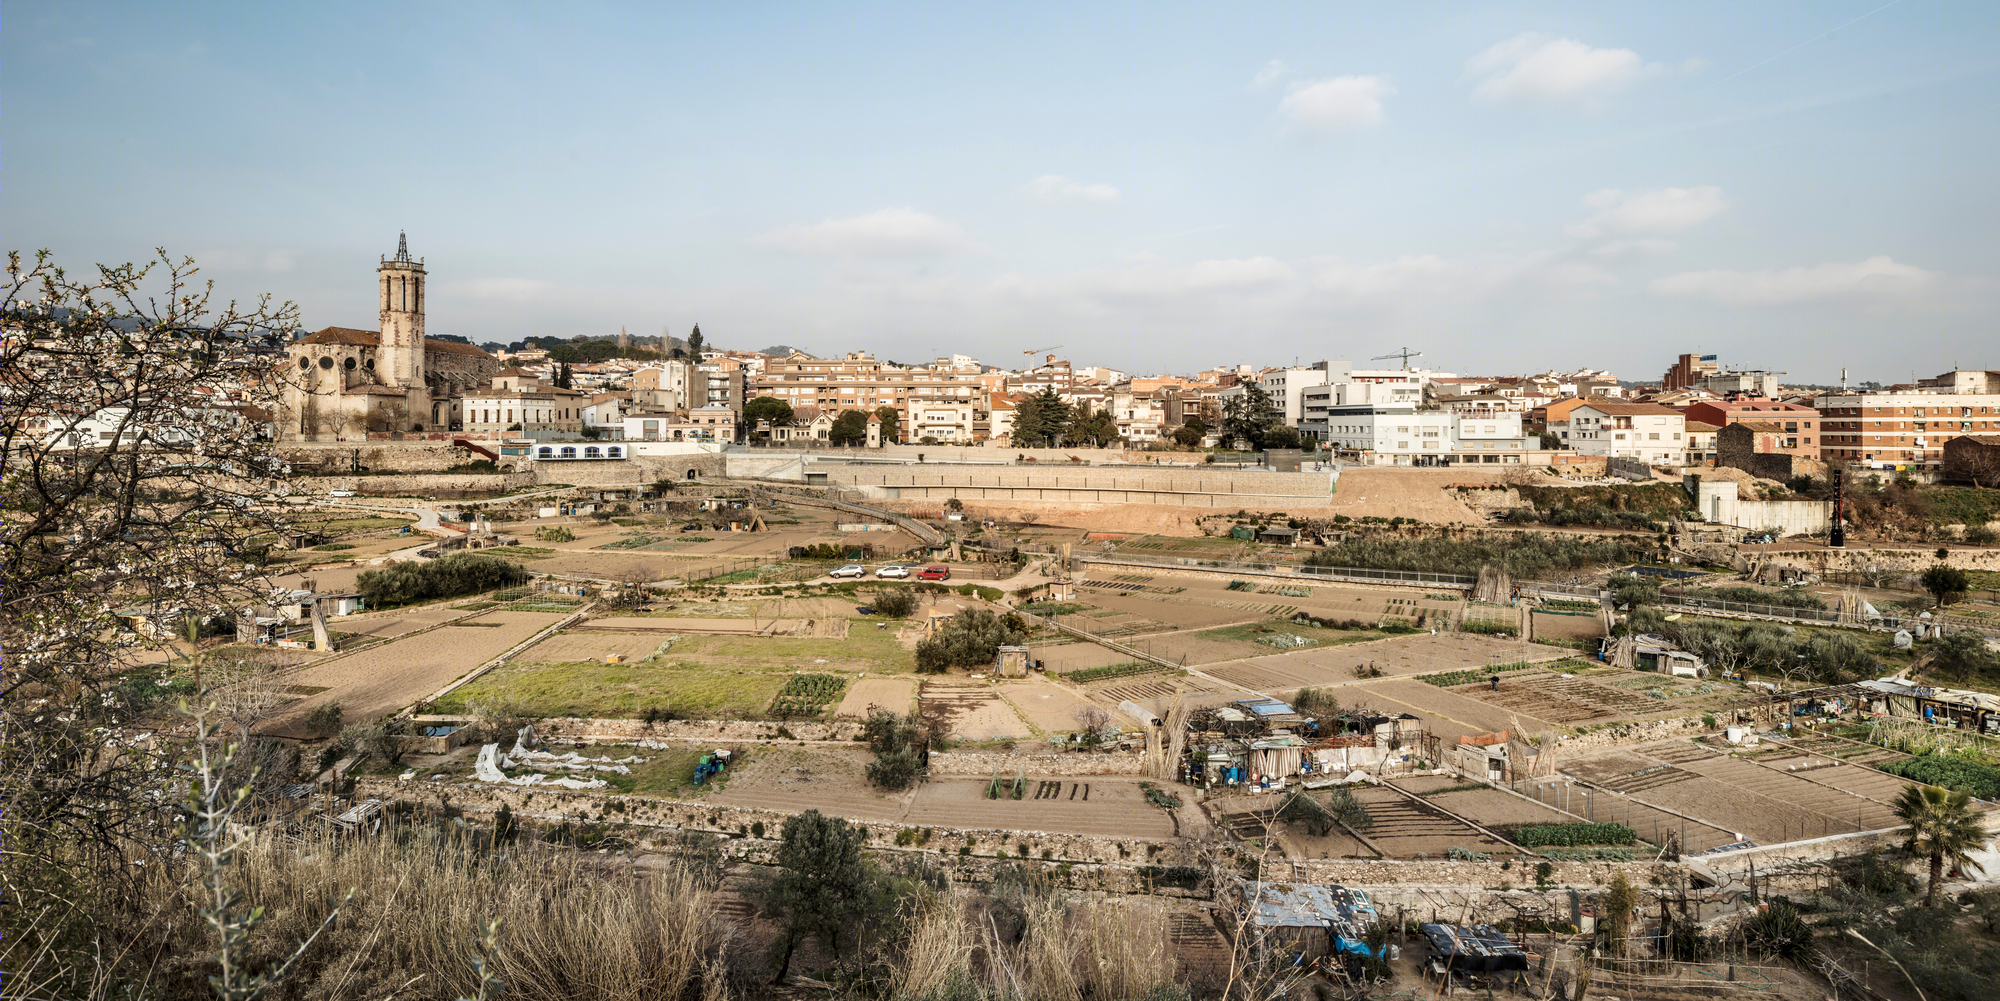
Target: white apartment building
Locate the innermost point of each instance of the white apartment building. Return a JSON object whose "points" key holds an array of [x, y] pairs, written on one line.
{"points": [[1391, 435], [1318, 403], [1488, 437], [1286, 387], [947, 422], [1654, 434]]}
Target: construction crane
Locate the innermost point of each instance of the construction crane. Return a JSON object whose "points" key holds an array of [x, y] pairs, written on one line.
{"points": [[1031, 352], [1406, 354]]}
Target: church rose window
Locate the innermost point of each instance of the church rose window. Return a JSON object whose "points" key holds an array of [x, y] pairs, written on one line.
{"points": [[348, 364], [325, 362], [305, 363]]}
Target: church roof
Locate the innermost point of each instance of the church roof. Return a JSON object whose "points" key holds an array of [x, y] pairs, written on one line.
{"points": [[343, 335], [373, 338]]}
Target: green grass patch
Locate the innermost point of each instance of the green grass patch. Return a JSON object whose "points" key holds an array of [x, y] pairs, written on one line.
{"points": [[623, 691], [668, 773], [348, 526], [334, 547], [1054, 608]]}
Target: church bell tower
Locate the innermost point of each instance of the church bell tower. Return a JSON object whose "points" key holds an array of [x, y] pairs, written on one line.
{"points": [[402, 295]]}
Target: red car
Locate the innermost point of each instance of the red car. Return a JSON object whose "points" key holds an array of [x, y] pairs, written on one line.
{"points": [[934, 573]]}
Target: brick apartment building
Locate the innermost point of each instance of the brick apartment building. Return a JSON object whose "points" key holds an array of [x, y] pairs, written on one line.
{"points": [[1797, 424], [859, 381], [1688, 370], [1907, 426]]}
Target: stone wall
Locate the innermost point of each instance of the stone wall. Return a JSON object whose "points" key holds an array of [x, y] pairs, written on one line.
{"points": [[1090, 485], [574, 728], [971, 763], [339, 458], [414, 484], [639, 470]]}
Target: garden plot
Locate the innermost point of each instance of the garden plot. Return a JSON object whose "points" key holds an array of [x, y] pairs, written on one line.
{"points": [[1552, 697], [1490, 808], [1399, 828], [1106, 807], [1159, 687], [386, 678], [1822, 809], [1447, 715], [1400, 656], [1049, 708], [977, 711], [893, 694], [794, 779], [393, 623], [584, 646], [1077, 656]]}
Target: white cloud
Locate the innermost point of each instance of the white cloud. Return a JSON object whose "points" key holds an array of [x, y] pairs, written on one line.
{"points": [[1535, 67], [1339, 103], [1877, 278], [903, 232], [1663, 210], [1057, 188], [1270, 74]]}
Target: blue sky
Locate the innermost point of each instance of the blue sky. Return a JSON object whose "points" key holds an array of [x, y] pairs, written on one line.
{"points": [[1506, 187]]}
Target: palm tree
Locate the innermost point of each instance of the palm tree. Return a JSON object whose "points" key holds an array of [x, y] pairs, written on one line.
{"points": [[1942, 826]]}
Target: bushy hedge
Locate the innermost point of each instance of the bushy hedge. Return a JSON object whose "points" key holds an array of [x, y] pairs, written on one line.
{"points": [[1526, 555], [448, 577], [1958, 774], [1759, 596], [1573, 835]]}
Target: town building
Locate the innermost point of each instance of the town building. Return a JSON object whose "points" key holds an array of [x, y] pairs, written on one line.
{"points": [[1653, 434], [1688, 371], [345, 382], [1700, 444], [1906, 426]]}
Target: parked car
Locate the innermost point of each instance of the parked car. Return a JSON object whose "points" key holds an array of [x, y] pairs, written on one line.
{"points": [[850, 570], [340, 493], [934, 572], [893, 570]]}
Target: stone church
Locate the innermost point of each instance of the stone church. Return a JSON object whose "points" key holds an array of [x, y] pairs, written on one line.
{"points": [[342, 382]]}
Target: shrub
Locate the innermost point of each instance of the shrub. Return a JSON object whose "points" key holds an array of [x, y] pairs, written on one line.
{"points": [[323, 720], [448, 577], [1778, 930], [971, 638], [895, 603]]}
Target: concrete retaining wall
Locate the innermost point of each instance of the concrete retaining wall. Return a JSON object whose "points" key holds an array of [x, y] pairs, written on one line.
{"points": [[335, 458], [639, 470]]}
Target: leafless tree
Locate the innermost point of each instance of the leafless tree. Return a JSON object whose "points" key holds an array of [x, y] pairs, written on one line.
{"points": [[1090, 718], [133, 417]]}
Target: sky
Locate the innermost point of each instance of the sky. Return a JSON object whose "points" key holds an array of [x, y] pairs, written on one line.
{"points": [[1505, 187]]}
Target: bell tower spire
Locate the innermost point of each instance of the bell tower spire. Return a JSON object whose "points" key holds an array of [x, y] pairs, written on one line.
{"points": [[402, 299]]}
